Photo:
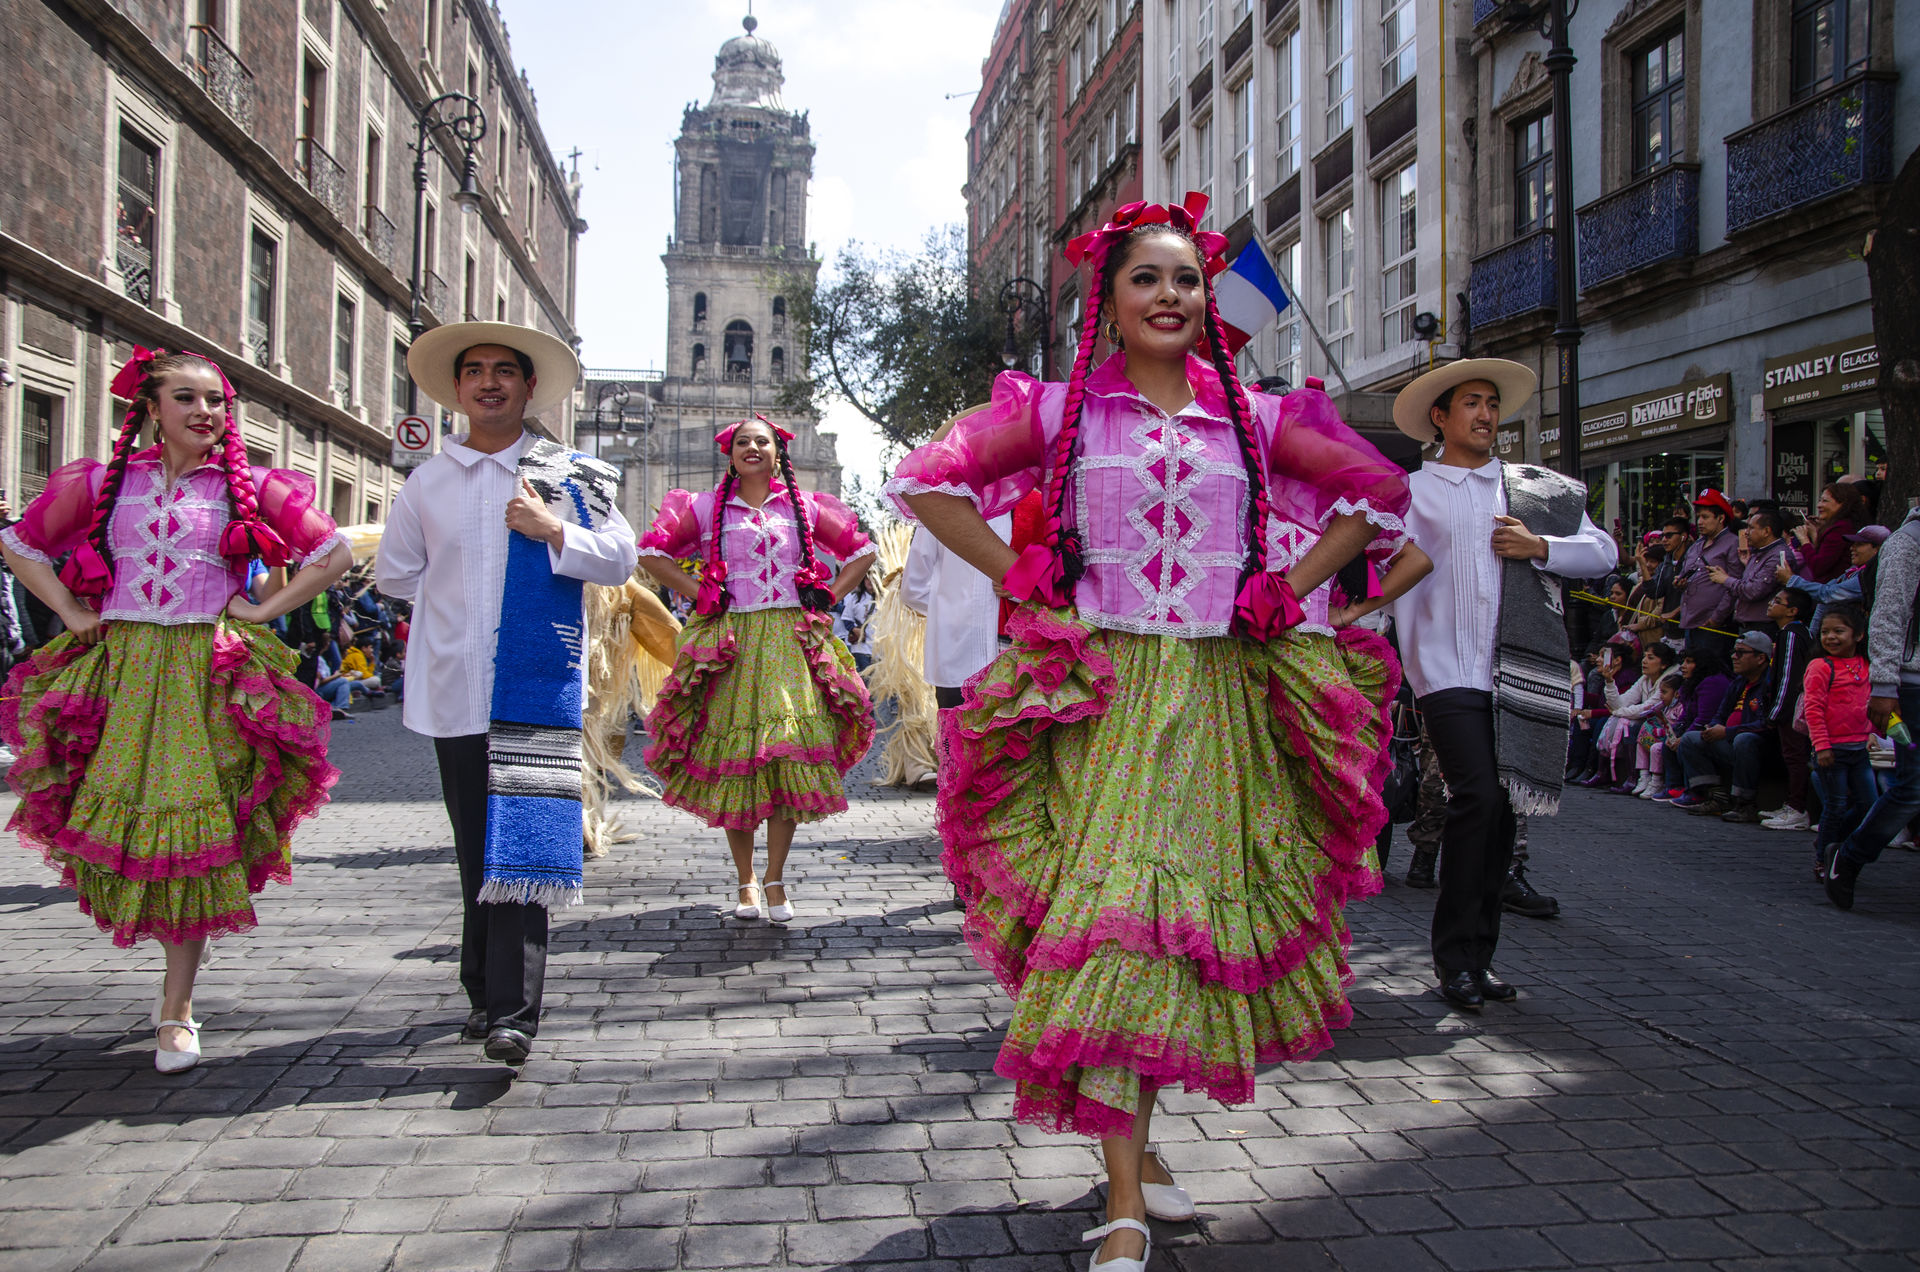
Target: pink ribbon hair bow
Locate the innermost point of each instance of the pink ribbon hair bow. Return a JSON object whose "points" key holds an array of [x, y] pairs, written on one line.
{"points": [[724, 438], [1184, 216]]}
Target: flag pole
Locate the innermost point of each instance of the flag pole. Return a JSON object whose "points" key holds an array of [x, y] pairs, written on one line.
{"points": [[1308, 319]]}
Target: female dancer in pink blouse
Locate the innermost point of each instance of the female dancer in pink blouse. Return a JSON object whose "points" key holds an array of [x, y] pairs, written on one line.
{"points": [[764, 713], [166, 750], [1163, 793]]}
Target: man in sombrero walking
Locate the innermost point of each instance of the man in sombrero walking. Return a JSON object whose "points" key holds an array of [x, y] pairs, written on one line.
{"points": [[493, 540], [1484, 644]]}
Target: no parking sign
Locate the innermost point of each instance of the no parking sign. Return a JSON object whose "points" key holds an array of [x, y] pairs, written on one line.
{"points": [[412, 441]]}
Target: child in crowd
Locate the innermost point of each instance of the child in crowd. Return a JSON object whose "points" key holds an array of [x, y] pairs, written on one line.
{"points": [[1703, 682], [1629, 710], [1657, 739], [1836, 693], [1793, 647]]}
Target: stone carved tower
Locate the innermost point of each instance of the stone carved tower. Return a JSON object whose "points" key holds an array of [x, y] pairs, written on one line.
{"points": [[738, 253]]}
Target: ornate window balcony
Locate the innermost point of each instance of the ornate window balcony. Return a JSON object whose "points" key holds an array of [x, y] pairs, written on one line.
{"points": [[1514, 279], [380, 234], [1837, 141], [437, 295], [1654, 220], [224, 76], [1485, 9], [324, 176]]}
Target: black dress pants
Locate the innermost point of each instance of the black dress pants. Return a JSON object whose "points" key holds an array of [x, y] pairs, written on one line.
{"points": [[503, 946], [1476, 846]]}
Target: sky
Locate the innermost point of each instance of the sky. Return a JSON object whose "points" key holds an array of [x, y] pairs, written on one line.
{"points": [[612, 77]]}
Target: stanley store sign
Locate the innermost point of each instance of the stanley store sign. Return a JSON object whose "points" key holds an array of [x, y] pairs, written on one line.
{"points": [[1643, 417], [1846, 366]]}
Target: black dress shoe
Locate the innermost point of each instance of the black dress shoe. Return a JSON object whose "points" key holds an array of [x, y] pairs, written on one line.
{"points": [[1517, 895], [1460, 989], [508, 1046], [476, 1026], [1492, 988]]}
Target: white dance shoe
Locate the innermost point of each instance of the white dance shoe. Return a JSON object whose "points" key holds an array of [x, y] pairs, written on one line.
{"points": [[1169, 1203], [782, 913], [1119, 1265], [749, 909], [185, 1058]]}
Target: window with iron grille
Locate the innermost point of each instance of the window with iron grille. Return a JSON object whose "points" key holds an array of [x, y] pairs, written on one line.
{"points": [[1286, 95], [1831, 40], [137, 213], [1659, 103], [1336, 20], [1533, 174], [1398, 57], [1398, 270], [36, 443]]}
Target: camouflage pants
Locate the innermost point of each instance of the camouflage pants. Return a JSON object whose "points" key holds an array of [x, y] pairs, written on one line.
{"points": [[1430, 819]]}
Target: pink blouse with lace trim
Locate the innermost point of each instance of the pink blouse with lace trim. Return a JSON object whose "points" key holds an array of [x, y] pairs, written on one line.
{"points": [[1161, 501], [761, 545], [165, 541]]}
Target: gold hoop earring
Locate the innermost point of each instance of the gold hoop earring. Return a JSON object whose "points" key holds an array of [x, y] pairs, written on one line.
{"points": [[1112, 332]]}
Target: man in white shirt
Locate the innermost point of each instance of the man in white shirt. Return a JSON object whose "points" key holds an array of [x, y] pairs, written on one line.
{"points": [[1455, 628], [963, 614], [445, 548]]}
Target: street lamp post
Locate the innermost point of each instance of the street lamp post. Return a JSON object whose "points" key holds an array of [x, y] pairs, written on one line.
{"points": [[1550, 18], [620, 393], [467, 127], [1018, 294]]}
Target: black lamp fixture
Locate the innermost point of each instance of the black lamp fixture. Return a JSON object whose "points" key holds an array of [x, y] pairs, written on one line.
{"points": [[1425, 325], [468, 196], [1023, 293]]}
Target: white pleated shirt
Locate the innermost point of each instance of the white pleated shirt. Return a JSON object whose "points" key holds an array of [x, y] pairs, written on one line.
{"points": [[445, 549], [963, 614], [1447, 623]]}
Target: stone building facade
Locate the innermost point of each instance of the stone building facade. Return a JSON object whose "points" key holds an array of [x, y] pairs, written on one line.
{"points": [[1728, 160], [738, 256], [237, 180], [1053, 149]]}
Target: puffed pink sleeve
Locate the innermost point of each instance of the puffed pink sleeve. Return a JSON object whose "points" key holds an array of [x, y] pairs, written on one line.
{"points": [[59, 516], [677, 532], [290, 503], [1320, 468], [836, 530], [994, 456]]}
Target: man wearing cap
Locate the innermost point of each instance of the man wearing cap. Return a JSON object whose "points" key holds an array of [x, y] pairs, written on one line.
{"points": [[1721, 758], [1706, 606], [492, 540], [1484, 644]]}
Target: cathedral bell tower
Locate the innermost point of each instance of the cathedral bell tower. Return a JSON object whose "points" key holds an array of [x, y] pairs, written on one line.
{"points": [[737, 255]]}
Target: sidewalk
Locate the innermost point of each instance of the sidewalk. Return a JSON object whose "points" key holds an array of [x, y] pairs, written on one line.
{"points": [[1709, 1067]]}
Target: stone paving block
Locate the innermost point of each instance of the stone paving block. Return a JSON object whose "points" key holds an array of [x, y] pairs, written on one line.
{"points": [[856, 1241], [347, 1252]]}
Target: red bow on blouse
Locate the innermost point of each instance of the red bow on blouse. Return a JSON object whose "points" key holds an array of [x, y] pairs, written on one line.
{"points": [[1267, 606], [724, 438], [1184, 216], [713, 578]]}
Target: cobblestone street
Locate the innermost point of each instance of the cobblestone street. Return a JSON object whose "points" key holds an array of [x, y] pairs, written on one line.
{"points": [[1709, 1067]]}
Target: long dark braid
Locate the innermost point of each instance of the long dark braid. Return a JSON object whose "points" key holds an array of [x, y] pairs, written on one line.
{"points": [[1241, 411], [812, 595], [1063, 538], [716, 568]]}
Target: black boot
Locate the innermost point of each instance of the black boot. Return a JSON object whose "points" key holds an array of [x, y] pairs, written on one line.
{"points": [[1518, 896], [1420, 869]]}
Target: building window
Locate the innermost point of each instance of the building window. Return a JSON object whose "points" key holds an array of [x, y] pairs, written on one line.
{"points": [[739, 352], [430, 30], [1110, 21], [343, 342], [137, 213], [313, 108], [1398, 57], [400, 390], [262, 271], [371, 190], [499, 308], [1076, 68], [1131, 111], [1079, 183], [1203, 35], [1659, 103], [778, 362], [1533, 174], [1173, 50], [1237, 11], [699, 310], [500, 151], [779, 314], [1336, 18], [1172, 162], [1112, 138], [1203, 146], [1286, 92], [533, 197], [1287, 360], [36, 443], [1093, 43], [1398, 270], [699, 360], [1831, 40], [1336, 232], [1240, 106]]}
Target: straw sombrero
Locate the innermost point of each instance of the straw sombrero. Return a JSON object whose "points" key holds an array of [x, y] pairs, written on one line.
{"points": [[430, 361], [1514, 381]]}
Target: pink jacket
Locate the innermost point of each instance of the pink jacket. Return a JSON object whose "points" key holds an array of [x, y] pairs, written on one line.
{"points": [[761, 545], [165, 541], [1837, 690], [1160, 501]]}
